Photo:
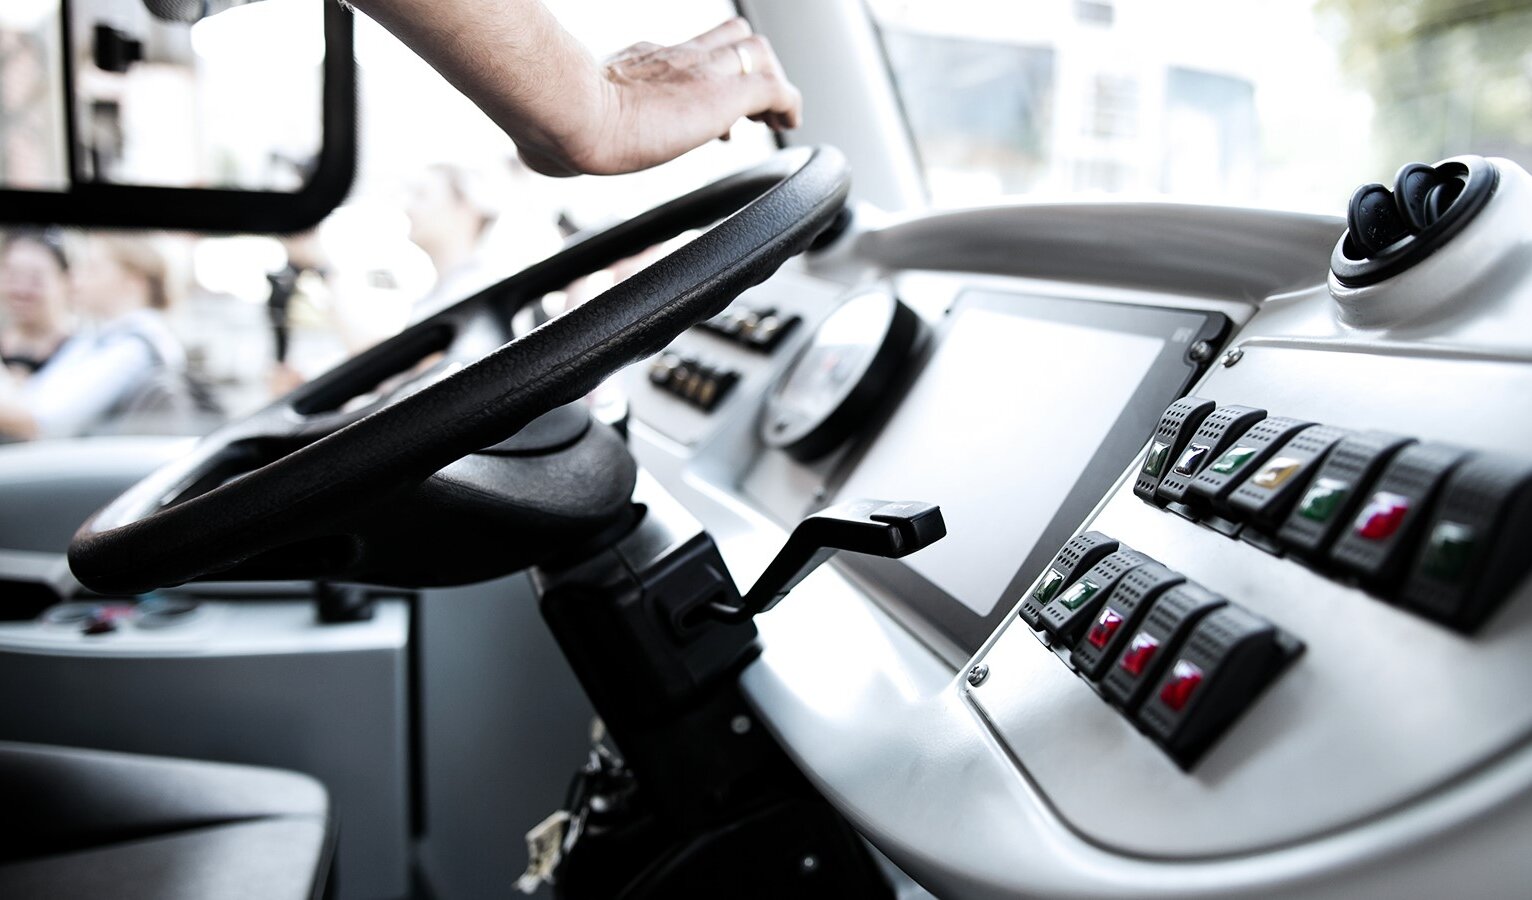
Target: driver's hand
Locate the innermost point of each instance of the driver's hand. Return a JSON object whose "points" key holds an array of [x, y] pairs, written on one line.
{"points": [[663, 101], [570, 116]]}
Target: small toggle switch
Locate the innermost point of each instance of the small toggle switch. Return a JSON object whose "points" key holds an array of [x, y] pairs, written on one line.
{"points": [[1335, 490], [1215, 436], [1227, 660], [1082, 552], [1066, 617], [1247, 454], [1264, 499], [1145, 652], [1176, 426], [1119, 616], [1474, 551], [1376, 546]]}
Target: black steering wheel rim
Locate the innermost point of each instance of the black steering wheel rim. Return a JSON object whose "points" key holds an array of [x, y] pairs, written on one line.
{"points": [[168, 529]]}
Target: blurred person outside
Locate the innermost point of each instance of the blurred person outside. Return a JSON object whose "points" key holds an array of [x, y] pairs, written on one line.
{"points": [[126, 367], [35, 320], [303, 276], [451, 209]]}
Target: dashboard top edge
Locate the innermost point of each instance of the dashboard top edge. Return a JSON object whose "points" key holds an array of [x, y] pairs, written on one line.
{"points": [[1197, 250]]}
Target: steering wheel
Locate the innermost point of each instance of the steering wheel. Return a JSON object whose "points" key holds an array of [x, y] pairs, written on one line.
{"points": [[295, 489]]}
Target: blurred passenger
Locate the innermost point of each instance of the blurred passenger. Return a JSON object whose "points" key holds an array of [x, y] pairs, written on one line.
{"points": [[451, 210], [305, 265], [34, 300], [128, 367]]}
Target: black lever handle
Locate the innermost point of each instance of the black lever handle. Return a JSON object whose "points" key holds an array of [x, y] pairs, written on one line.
{"points": [[875, 527]]}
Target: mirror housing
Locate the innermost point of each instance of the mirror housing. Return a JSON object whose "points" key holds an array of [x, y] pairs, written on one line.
{"points": [[86, 203]]}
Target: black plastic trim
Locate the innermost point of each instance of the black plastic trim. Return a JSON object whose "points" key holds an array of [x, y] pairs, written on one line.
{"points": [[92, 204], [1352, 268]]}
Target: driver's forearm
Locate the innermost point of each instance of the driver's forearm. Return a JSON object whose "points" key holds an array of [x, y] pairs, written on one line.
{"points": [[513, 59]]}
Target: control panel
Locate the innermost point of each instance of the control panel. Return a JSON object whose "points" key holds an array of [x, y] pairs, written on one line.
{"points": [[1178, 660], [1355, 547], [1431, 527], [714, 374], [1283, 647], [754, 327], [151, 613], [698, 383]]}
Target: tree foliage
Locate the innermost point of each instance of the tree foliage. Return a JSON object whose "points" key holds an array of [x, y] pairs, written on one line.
{"points": [[1446, 76]]}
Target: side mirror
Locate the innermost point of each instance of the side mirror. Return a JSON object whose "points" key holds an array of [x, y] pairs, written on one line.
{"points": [[114, 116]]}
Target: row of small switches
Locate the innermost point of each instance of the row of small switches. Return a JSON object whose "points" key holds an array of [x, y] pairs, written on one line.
{"points": [[1182, 662], [1432, 527], [701, 385]]}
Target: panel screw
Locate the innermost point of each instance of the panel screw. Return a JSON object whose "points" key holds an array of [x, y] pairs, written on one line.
{"points": [[1201, 352], [809, 864], [1232, 357], [740, 724], [977, 674]]}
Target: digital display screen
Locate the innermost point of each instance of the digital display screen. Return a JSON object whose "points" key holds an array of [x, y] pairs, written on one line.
{"points": [[1024, 413], [1000, 460]]}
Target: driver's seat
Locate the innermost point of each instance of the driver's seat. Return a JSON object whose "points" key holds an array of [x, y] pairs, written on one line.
{"points": [[90, 824]]}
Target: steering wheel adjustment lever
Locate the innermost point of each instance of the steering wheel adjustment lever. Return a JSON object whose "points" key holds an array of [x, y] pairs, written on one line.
{"points": [[890, 529]]}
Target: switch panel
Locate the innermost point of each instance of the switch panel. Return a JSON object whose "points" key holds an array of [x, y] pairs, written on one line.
{"points": [[1082, 552], [1249, 452], [1179, 660], [1119, 615], [759, 329], [699, 384], [1335, 491], [1357, 504], [1068, 614], [1215, 435], [1474, 547], [1226, 661], [1170, 437], [1376, 542], [1144, 654]]}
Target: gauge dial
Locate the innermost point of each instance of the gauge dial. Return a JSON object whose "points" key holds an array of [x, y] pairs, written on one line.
{"points": [[833, 384]]}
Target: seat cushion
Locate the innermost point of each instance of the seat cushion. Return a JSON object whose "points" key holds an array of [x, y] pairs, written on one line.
{"points": [[85, 824], [264, 859]]}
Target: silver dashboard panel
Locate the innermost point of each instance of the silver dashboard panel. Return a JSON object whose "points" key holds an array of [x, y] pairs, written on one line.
{"points": [[1382, 707], [1031, 785]]}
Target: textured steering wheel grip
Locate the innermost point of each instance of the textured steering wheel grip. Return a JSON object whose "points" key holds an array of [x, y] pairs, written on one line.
{"points": [[144, 540]]}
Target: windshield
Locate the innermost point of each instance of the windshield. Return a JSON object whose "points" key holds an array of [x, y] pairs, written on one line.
{"points": [[1280, 103], [112, 334]]}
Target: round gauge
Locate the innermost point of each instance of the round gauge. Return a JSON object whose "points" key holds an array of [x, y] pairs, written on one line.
{"points": [[832, 386]]}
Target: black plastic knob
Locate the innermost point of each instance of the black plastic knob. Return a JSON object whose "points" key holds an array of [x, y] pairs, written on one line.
{"points": [[1390, 230]]}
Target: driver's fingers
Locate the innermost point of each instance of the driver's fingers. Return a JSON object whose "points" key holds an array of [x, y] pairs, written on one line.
{"points": [[736, 29], [762, 90]]}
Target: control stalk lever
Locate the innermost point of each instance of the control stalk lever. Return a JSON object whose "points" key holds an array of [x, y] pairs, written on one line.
{"points": [[874, 527]]}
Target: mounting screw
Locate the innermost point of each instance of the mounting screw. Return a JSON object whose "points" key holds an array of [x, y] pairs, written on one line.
{"points": [[1201, 352], [808, 865], [977, 674], [740, 724], [1232, 357]]}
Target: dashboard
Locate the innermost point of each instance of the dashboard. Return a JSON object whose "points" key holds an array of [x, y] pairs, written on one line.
{"points": [[1231, 600]]}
